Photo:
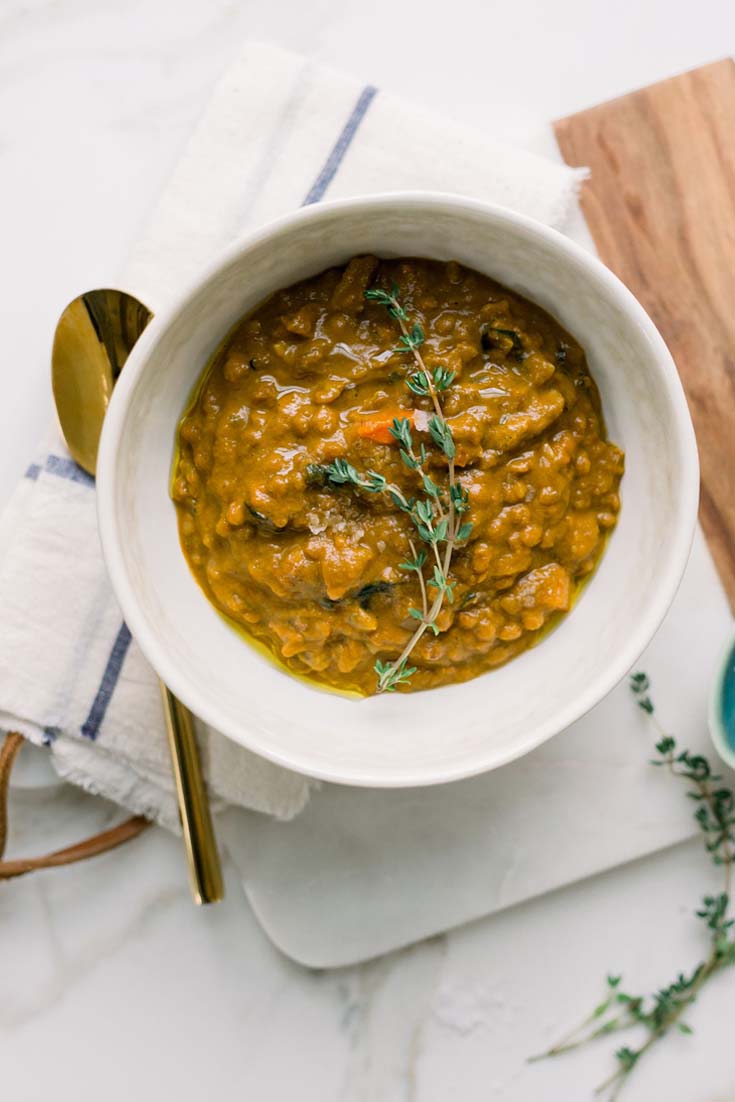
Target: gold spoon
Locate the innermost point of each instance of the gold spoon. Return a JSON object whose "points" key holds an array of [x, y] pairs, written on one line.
{"points": [[93, 339]]}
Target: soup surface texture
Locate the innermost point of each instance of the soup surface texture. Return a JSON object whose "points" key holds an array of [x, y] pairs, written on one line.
{"points": [[314, 374]]}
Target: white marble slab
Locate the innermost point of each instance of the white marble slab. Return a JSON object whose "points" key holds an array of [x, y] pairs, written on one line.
{"points": [[111, 984]]}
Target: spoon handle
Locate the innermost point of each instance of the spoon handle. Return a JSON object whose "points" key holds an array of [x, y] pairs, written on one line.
{"points": [[205, 871]]}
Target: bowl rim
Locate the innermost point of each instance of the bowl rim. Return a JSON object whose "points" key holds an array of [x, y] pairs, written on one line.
{"points": [[610, 675]]}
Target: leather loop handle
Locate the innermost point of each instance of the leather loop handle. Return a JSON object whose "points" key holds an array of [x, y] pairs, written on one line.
{"points": [[8, 753], [90, 847]]}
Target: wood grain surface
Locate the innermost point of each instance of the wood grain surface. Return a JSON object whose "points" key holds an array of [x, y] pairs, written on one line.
{"points": [[660, 204]]}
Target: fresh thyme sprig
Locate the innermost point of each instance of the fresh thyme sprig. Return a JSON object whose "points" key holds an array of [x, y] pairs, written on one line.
{"points": [[436, 514], [663, 1011]]}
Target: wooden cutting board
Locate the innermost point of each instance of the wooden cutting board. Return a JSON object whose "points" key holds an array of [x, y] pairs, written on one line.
{"points": [[660, 204]]}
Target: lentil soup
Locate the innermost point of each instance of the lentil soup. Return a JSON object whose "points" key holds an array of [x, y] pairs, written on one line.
{"points": [[312, 570]]}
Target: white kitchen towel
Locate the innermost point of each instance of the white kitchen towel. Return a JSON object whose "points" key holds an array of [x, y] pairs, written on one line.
{"points": [[279, 132]]}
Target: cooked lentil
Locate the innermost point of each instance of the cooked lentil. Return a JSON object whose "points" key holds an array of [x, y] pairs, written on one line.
{"points": [[311, 570]]}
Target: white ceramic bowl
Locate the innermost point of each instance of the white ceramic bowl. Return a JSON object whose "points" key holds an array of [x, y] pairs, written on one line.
{"points": [[448, 733]]}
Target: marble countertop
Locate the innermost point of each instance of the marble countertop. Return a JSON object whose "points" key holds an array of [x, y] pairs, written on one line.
{"points": [[111, 983]]}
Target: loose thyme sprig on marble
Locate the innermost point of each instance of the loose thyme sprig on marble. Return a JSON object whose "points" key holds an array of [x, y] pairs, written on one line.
{"points": [[663, 1011], [436, 514]]}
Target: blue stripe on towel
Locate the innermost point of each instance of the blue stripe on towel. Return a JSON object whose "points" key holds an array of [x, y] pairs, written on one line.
{"points": [[90, 727], [62, 468], [340, 147], [67, 468]]}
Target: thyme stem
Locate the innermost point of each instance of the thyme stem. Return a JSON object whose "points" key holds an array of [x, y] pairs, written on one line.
{"points": [[663, 1011], [435, 516], [428, 620], [422, 583], [437, 409]]}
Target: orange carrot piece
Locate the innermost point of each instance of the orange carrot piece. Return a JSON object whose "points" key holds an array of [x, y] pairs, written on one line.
{"points": [[377, 426]]}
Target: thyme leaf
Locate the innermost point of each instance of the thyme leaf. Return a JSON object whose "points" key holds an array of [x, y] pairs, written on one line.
{"points": [[391, 675]]}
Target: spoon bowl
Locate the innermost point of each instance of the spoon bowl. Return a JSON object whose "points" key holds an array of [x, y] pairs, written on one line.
{"points": [[93, 339]]}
